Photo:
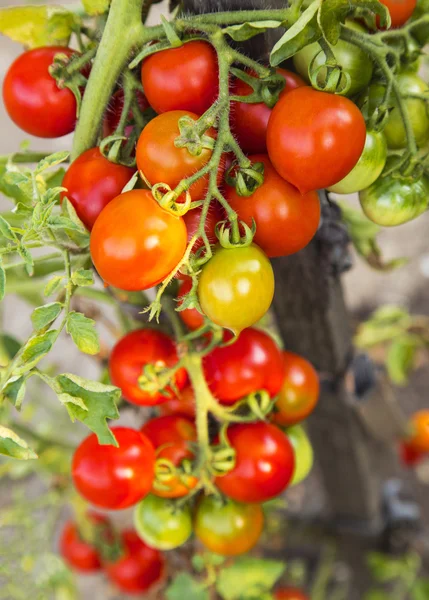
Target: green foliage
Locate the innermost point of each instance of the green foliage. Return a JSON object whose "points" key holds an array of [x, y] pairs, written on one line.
{"points": [[245, 31], [401, 357], [334, 12], [14, 446], [43, 316], [185, 586], [302, 33], [248, 578], [96, 7], [83, 332]]}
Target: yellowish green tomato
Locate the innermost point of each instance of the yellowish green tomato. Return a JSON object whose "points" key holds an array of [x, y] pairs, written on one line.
{"points": [[304, 456], [161, 524]]}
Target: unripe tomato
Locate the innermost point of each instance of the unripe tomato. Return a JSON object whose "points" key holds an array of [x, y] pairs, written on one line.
{"points": [[236, 287], [135, 243], [182, 404], [303, 451], [114, 478], [309, 135], [300, 391], [183, 78], [264, 463], [77, 552], [190, 316], [92, 182], [290, 594], [227, 527], [139, 567], [32, 97], [286, 221], [161, 524], [192, 221], [132, 353], [368, 169], [419, 431], [114, 111], [389, 202], [400, 10]]}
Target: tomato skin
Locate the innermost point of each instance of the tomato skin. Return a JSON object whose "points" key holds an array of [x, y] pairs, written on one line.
{"points": [[80, 555], [92, 182], [183, 404], [309, 135], [114, 478], [253, 362], [400, 10], [192, 318], [419, 431], [303, 451], [249, 121], [409, 455], [264, 463], [161, 524], [236, 287], [114, 111], [290, 594], [139, 568], [286, 221], [192, 221], [183, 78], [135, 350], [135, 243], [32, 98], [228, 528]]}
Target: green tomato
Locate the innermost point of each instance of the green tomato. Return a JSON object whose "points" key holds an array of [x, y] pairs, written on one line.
{"points": [[353, 60], [368, 169], [161, 524], [304, 456]]}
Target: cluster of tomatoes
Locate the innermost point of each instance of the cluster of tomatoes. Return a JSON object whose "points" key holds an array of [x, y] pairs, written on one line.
{"points": [[415, 446]]}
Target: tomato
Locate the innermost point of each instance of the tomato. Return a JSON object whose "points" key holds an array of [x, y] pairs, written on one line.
{"points": [[135, 243], [78, 553], [394, 131], [389, 202], [183, 78], [290, 594], [409, 455], [132, 353], [253, 362], [368, 169], [227, 527], [162, 162], [162, 524], [419, 431], [309, 135], [286, 221], [139, 567], [92, 182], [300, 391], [192, 318], [182, 404], [192, 222], [249, 121], [114, 112], [350, 58], [236, 287], [264, 463], [303, 451], [400, 10], [32, 97], [114, 478]]}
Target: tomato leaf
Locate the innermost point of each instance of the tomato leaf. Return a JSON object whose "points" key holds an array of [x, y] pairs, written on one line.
{"points": [[334, 12], [83, 277], [72, 225], [54, 285], [34, 350], [2, 282], [420, 590], [51, 161], [43, 316], [245, 31], [5, 230], [14, 391], [83, 332], [185, 586], [248, 577], [35, 26], [9, 347], [13, 446], [96, 7], [401, 358], [386, 324]]}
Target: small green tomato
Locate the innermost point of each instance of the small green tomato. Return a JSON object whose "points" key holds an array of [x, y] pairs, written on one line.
{"points": [[161, 524], [304, 456]]}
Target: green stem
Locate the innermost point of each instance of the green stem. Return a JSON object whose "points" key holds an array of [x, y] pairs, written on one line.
{"points": [[24, 157], [236, 17]]}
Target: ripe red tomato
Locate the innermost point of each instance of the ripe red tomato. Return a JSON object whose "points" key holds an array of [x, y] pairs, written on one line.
{"points": [[264, 463], [300, 391], [78, 553], [182, 404], [114, 478], [32, 98], [170, 436], [410, 456], [135, 243], [253, 362], [190, 316], [309, 135], [400, 10], [419, 431], [139, 567], [286, 221], [92, 182], [290, 594], [249, 121], [184, 78], [192, 222], [114, 112], [134, 351]]}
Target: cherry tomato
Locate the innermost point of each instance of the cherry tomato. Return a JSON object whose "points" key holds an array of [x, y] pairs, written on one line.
{"points": [[182, 404], [368, 169], [290, 594], [300, 391], [236, 287], [139, 567], [409, 455], [192, 318], [132, 353], [303, 451], [419, 431], [92, 182], [400, 10], [135, 243], [227, 527], [264, 463], [162, 524], [183, 78], [114, 478], [32, 98], [286, 221], [192, 222], [309, 135], [249, 121], [253, 362], [170, 436], [77, 552], [114, 112]]}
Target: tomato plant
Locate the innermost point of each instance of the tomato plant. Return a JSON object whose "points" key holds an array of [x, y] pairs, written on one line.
{"points": [[161, 524], [78, 553], [400, 10], [190, 316], [114, 110], [192, 220], [182, 404], [303, 452]]}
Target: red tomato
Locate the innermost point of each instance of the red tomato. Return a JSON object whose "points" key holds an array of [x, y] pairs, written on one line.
{"points": [[400, 10], [300, 391], [252, 363], [114, 478], [309, 138], [139, 567], [92, 182], [419, 431], [183, 404], [190, 316], [134, 351], [184, 78], [192, 222], [249, 121], [264, 463], [170, 436], [135, 243], [410, 456], [286, 221], [78, 553], [32, 98], [290, 594], [114, 112]]}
